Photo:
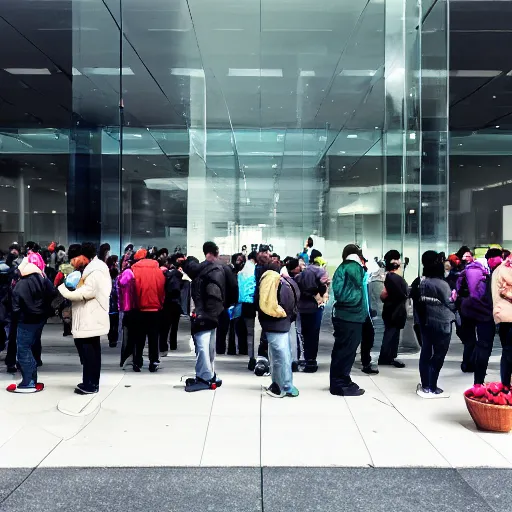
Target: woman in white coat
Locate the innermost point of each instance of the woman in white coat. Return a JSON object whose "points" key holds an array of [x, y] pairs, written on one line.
{"points": [[90, 303]]}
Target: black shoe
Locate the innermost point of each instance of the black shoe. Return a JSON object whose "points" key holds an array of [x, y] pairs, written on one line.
{"points": [[295, 366], [350, 390], [311, 366], [397, 364], [66, 333], [370, 370], [39, 363], [467, 368], [82, 389], [112, 345], [153, 367], [136, 368], [252, 364], [12, 369]]}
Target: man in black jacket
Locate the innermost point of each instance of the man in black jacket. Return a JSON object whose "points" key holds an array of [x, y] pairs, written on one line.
{"points": [[394, 313], [172, 311], [31, 304], [214, 288]]}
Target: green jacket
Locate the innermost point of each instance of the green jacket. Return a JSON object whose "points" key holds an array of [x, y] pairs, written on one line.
{"points": [[350, 294]]}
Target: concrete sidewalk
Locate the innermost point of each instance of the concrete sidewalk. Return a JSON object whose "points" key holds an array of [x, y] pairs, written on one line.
{"points": [[144, 419]]}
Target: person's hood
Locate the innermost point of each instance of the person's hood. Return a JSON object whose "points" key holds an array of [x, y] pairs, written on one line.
{"points": [[145, 264], [355, 258], [480, 264], [95, 265], [249, 269], [27, 268]]}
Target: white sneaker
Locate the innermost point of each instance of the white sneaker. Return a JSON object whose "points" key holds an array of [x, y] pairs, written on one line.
{"points": [[164, 354], [440, 393], [423, 393]]}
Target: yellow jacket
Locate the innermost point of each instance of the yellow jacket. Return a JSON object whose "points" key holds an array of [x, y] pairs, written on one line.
{"points": [[269, 285]]}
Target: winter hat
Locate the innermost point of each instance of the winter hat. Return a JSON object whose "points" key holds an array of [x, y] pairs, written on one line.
{"points": [[140, 254], [351, 249], [52, 246], [72, 280], [494, 252]]}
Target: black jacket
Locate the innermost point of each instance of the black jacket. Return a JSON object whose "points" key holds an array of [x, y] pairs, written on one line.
{"points": [[394, 312], [31, 299], [173, 286], [309, 285], [214, 289]]}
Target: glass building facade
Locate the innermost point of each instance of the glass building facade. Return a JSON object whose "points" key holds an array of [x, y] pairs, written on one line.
{"points": [[169, 122]]}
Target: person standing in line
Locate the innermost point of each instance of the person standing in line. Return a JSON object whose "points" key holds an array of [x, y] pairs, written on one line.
{"points": [[246, 289], [127, 305], [172, 310], [150, 292], [214, 288], [368, 333], [349, 313], [31, 305], [435, 308], [477, 329], [237, 337], [502, 299], [113, 333], [278, 298], [394, 312], [312, 283], [90, 302], [104, 252]]}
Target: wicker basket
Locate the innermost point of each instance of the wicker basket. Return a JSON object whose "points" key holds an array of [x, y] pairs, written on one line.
{"points": [[495, 418]]}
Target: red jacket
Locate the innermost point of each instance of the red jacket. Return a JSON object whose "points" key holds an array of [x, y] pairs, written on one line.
{"points": [[149, 285]]}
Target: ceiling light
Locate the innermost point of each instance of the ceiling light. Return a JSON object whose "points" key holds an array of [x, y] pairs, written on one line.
{"points": [[307, 73], [342, 152], [108, 71], [28, 71], [352, 136], [52, 163], [358, 72], [255, 72], [474, 73], [262, 225], [35, 211], [494, 97], [497, 126], [28, 186], [5, 211], [187, 72], [54, 211], [412, 136], [412, 212]]}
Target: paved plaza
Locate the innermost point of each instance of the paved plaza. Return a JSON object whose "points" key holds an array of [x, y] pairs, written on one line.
{"points": [[236, 443]]}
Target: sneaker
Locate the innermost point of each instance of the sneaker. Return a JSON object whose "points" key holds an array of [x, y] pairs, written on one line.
{"points": [[275, 391], [14, 388], [196, 384], [293, 393], [136, 368], [216, 381], [370, 370], [439, 393], [153, 367], [423, 392], [164, 353], [397, 364], [351, 390], [252, 364], [82, 389]]}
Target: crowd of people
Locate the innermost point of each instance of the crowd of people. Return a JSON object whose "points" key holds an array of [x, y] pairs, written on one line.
{"points": [[266, 309]]}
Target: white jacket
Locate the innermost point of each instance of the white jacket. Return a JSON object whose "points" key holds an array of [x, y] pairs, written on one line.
{"points": [[91, 301]]}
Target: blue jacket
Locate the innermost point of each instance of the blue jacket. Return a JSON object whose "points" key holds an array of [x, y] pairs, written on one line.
{"points": [[246, 286]]}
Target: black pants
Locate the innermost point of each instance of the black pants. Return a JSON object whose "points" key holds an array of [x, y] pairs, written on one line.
{"points": [[89, 351], [129, 335], [147, 326], [310, 325], [506, 355], [390, 342], [417, 332], [3, 338], [169, 323], [12, 346], [368, 337], [478, 339], [222, 332], [347, 336], [113, 333], [237, 332], [434, 348]]}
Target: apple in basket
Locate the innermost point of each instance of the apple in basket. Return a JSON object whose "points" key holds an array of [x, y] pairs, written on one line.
{"points": [[494, 393]]}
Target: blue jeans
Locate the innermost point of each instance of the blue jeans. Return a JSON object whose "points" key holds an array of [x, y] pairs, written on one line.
{"points": [[435, 344], [280, 360], [27, 336], [205, 354]]}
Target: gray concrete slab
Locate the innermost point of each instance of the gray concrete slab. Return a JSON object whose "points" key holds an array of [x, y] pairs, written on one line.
{"points": [[136, 489], [364, 489], [10, 479], [495, 485]]}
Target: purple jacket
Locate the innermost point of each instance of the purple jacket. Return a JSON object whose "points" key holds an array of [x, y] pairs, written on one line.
{"points": [[127, 296], [478, 305]]}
